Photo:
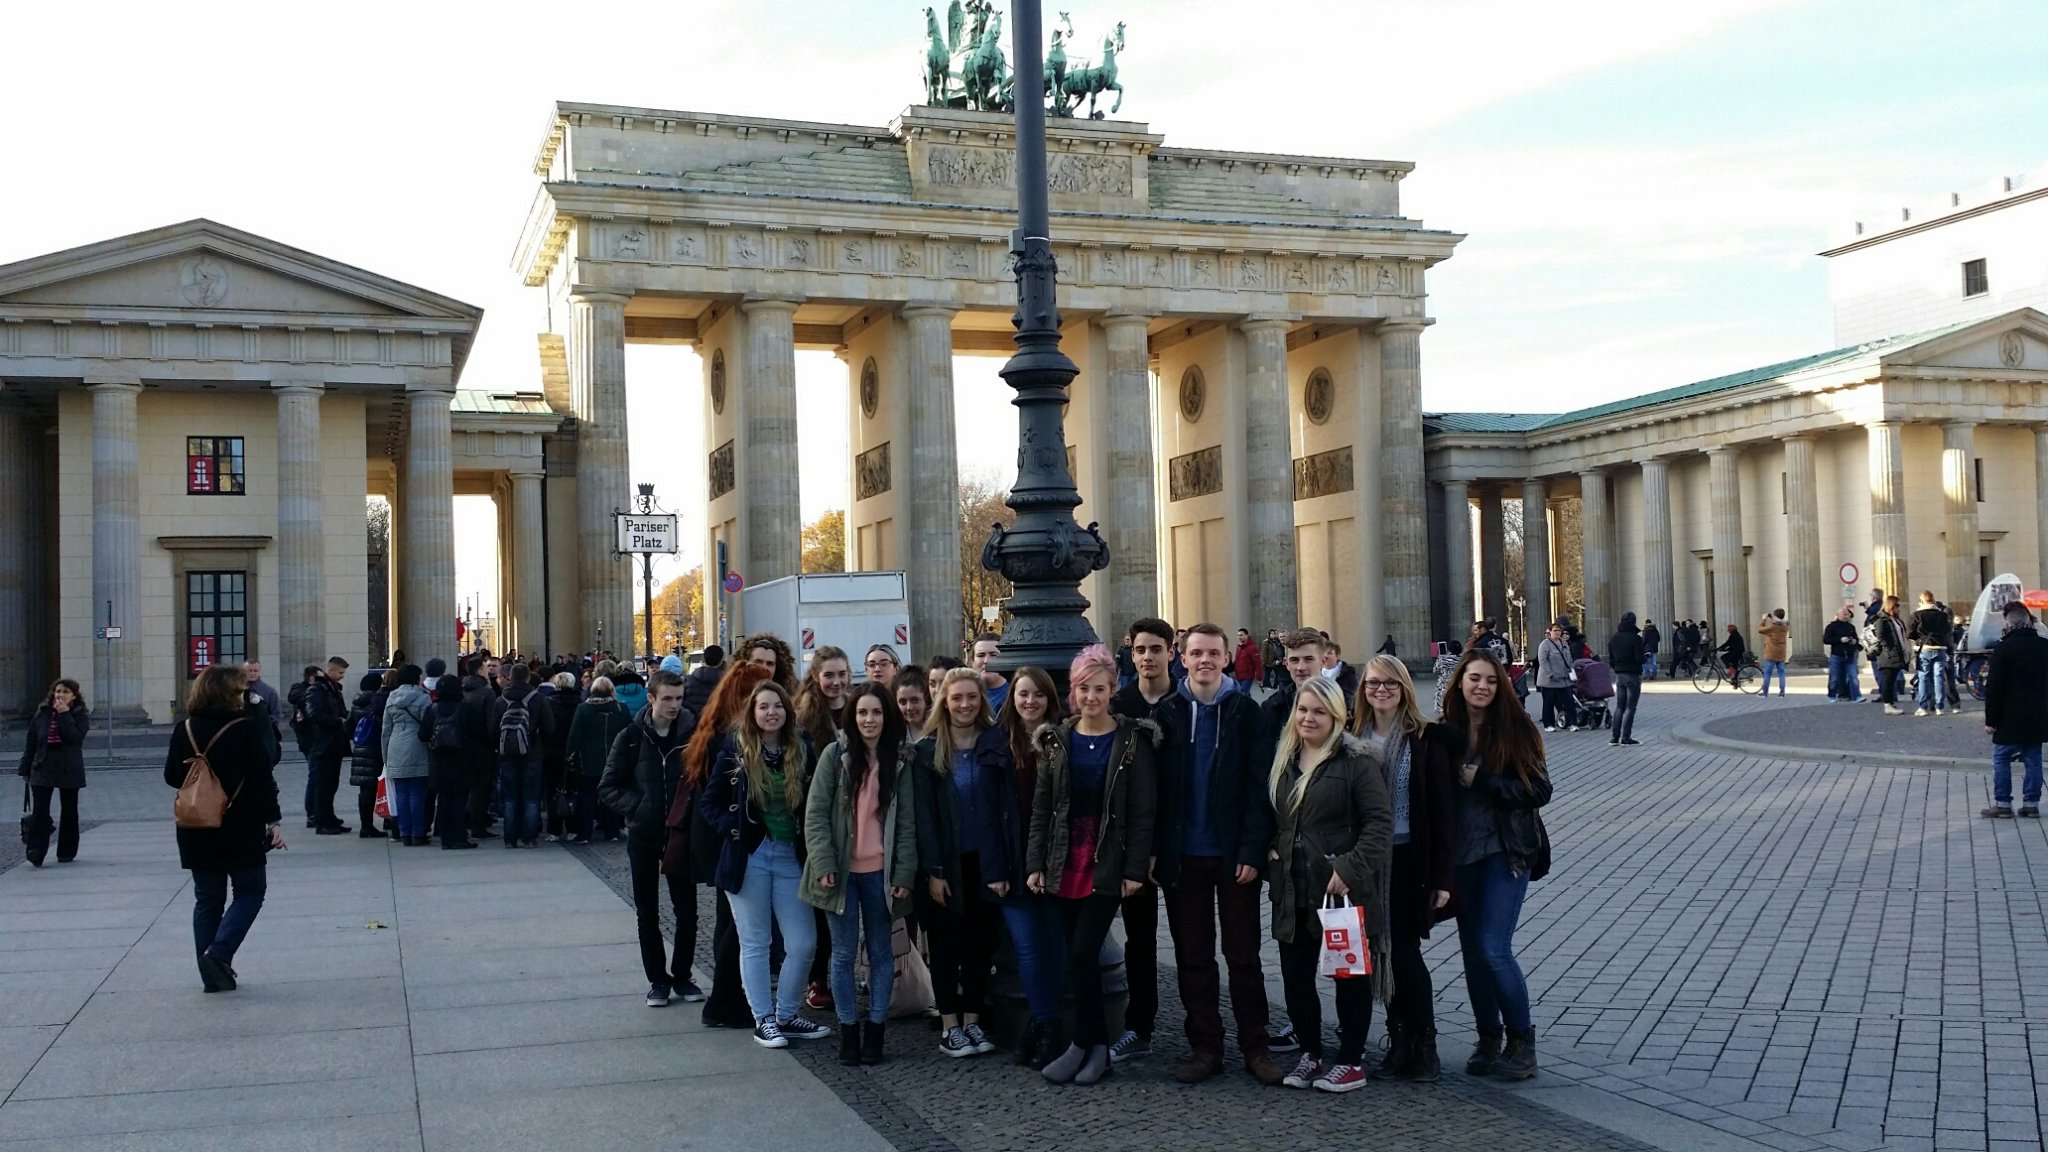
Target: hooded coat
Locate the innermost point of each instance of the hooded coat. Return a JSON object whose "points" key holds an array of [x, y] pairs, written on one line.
{"points": [[1625, 651], [828, 830], [1123, 845], [405, 755]]}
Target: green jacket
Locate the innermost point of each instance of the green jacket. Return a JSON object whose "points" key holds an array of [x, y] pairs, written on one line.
{"points": [[828, 832], [1346, 823], [1123, 840]]}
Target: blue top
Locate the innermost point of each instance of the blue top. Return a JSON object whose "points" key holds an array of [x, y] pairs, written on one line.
{"points": [[997, 695], [1087, 772], [980, 829], [1201, 827]]}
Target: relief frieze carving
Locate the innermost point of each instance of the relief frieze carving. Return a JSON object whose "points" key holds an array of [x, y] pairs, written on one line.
{"points": [[1067, 173], [1199, 473], [871, 473], [1323, 474], [721, 470]]}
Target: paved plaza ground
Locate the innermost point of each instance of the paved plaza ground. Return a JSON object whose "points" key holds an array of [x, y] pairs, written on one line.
{"points": [[1734, 951]]}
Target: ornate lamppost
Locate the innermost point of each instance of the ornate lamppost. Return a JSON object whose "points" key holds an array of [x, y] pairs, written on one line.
{"points": [[1044, 555]]}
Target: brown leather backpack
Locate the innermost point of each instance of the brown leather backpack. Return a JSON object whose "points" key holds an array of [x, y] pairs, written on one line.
{"points": [[202, 802]]}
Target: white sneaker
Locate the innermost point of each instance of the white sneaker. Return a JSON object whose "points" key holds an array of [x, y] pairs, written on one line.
{"points": [[1919, 711], [1894, 710], [799, 1028]]}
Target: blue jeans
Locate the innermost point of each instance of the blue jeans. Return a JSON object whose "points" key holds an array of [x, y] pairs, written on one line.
{"points": [[217, 926], [1037, 936], [1845, 677], [408, 798], [519, 786], [867, 909], [2002, 756], [1771, 666], [1934, 688], [768, 900], [1650, 666], [1491, 903]]}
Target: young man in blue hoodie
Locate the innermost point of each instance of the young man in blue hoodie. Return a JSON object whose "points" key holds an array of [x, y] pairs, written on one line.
{"points": [[1212, 851]]}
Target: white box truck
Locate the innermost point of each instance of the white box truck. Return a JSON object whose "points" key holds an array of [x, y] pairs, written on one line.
{"points": [[851, 610]]}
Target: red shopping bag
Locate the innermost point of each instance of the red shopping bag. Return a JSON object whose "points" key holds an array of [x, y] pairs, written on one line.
{"points": [[383, 808], [1345, 954]]}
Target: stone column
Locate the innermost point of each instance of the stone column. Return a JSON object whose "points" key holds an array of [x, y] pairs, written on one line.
{"points": [[1660, 594], [1959, 524], [427, 557], [301, 536], [20, 551], [2041, 507], [1269, 479], [1536, 558], [769, 498], [1458, 555], [937, 621], [529, 573], [1888, 509], [1596, 567], [1807, 614], [1493, 555], [597, 381], [1731, 567], [1404, 538], [1131, 526], [116, 550]]}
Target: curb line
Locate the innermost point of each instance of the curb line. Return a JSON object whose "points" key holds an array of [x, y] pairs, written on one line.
{"points": [[1693, 734]]}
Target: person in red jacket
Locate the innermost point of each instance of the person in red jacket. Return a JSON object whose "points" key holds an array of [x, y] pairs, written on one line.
{"points": [[1246, 663]]}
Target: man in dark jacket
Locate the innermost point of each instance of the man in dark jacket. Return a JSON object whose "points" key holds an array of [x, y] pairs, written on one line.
{"points": [[1625, 658], [1212, 851], [697, 687], [641, 776], [1931, 632], [326, 712], [479, 749], [522, 723], [1652, 640], [1843, 642], [1150, 692], [2015, 687]]}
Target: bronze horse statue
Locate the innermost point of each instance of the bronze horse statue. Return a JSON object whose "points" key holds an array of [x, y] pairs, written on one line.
{"points": [[938, 62], [1093, 81]]}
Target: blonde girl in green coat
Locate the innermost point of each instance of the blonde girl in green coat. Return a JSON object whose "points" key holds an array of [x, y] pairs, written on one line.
{"points": [[861, 829]]}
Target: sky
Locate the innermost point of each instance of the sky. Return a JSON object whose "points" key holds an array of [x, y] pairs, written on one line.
{"points": [[1643, 186]]}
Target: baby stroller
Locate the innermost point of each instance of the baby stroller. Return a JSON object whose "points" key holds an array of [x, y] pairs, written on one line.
{"points": [[1593, 687]]}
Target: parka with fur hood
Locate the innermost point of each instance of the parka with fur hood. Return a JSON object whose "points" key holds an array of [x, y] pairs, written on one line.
{"points": [[1130, 791]]}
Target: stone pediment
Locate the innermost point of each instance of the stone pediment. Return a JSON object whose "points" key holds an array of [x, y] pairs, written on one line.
{"points": [[203, 267], [2011, 342]]}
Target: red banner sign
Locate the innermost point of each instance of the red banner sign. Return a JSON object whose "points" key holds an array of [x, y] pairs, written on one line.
{"points": [[202, 654]]}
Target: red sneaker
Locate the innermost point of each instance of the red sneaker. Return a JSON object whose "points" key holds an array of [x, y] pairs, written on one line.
{"points": [[1341, 1078]]}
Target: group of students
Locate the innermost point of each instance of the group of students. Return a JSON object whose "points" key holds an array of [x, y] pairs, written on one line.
{"points": [[973, 805]]}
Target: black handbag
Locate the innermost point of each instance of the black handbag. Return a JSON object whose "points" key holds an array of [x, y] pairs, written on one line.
{"points": [[28, 820]]}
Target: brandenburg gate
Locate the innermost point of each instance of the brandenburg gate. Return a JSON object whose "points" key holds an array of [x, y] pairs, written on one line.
{"points": [[1272, 476]]}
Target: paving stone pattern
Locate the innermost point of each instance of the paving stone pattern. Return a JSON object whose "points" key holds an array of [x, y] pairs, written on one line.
{"points": [[1861, 727]]}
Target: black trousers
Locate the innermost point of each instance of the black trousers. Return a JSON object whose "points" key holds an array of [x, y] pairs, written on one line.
{"points": [[1413, 1007], [963, 944], [1087, 923], [482, 774], [325, 785], [67, 829], [1298, 958], [448, 817], [726, 1004], [366, 804], [1141, 959], [644, 860]]}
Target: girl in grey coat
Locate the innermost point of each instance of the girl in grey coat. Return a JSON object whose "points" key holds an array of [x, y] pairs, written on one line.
{"points": [[406, 756]]}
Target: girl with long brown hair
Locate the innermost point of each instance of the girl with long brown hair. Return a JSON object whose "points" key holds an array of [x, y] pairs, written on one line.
{"points": [[1033, 918], [54, 761], [726, 1004], [1502, 846]]}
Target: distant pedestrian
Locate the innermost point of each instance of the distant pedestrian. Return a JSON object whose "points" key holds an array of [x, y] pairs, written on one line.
{"points": [[406, 759], [1502, 847], [450, 730], [2014, 689], [1733, 651], [218, 727], [1844, 644], [1274, 657], [1245, 661], [1889, 654], [1333, 839], [860, 841], [1626, 656], [327, 745], [561, 699], [702, 679], [53, 760], [1773, 630], [1932, 634], [596, 724], [523, 724], [366, 749], [1652, 640], [1553, 680]]}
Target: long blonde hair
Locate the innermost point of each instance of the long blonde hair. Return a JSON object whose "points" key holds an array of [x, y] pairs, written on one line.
{"points": [[940, 722], [1407, 717], [749, 731], [1331, 697]]}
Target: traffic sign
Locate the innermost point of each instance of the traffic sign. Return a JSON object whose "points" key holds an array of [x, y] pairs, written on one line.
{"points": [[1848, 573], [733, 583], [110, 633]]}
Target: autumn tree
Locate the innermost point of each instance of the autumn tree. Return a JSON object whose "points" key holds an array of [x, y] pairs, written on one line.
{"points": [[981, 506], [678, 606], [824, 543]]}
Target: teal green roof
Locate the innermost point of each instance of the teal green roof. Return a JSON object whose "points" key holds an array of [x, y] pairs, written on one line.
{"points": [[1511, 422]]}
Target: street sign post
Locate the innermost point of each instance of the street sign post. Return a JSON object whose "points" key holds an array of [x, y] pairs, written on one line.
{"points": [[733, 583], [1848, 575]]}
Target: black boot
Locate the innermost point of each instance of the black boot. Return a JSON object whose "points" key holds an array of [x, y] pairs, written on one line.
{"points": [[1519, 1061], [1052, 1041], [849, 1043], [1027, 1042], [1423, 1065], [1395, 1063], [871, 1043], [1484, 1054]]}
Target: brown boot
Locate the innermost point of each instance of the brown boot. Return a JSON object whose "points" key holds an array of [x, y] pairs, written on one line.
{"points": [[1198, 1067], [1264, 1068]]}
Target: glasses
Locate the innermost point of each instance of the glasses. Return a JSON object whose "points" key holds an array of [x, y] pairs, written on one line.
{"points": [[1382, 685]]}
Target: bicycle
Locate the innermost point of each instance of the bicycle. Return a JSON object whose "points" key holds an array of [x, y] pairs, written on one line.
{"points": [[1709, 677]]}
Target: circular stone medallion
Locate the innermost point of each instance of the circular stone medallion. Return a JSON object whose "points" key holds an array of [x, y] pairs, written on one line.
{"points": [[718, 382], [1193, 391], [1318, 396], [870, 388], [2012, 348], [203, 282]]}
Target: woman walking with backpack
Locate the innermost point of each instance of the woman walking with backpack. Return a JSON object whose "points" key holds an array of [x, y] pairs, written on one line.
{"points": [[218, 732], [860, 837], [54, 760]]}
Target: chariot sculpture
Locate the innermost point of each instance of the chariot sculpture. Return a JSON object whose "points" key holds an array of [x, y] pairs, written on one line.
{"points": [[965, 65]]}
